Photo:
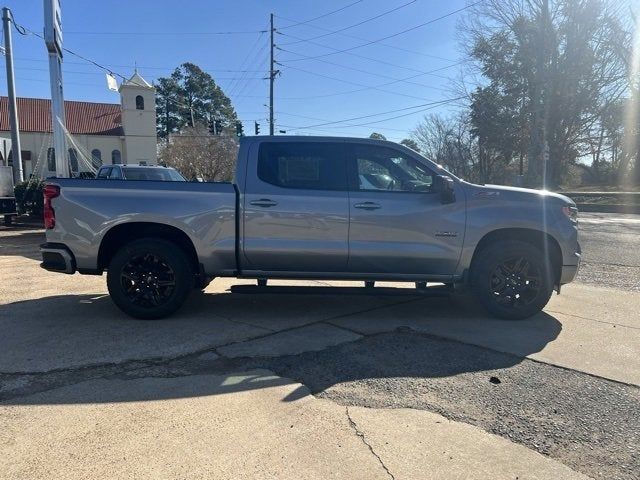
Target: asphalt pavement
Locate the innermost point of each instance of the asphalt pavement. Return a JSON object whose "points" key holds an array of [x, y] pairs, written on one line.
{"points": [[611, 250]]}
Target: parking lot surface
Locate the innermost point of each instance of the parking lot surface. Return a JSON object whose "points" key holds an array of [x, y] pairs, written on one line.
{"points": [[308, 385]]}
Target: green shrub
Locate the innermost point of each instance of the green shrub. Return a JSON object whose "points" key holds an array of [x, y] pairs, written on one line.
{"points": [[29, 197]]}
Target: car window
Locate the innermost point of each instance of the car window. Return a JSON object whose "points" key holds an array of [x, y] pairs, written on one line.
{"points": [[157, 174], [104, 172], [115, 174], [386, 169], [308, 165]]}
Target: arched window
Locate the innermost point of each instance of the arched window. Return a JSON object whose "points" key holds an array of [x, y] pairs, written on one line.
{"points": [[115, 156], [73, 159], [51, 159], [96, 157], [139, 102]]}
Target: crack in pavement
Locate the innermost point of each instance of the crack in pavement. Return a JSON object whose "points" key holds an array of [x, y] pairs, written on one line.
{"points": [[360, 434], [594, 320]]}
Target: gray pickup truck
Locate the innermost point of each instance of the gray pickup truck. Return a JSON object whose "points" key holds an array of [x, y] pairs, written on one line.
{"points": [[314, 208]]}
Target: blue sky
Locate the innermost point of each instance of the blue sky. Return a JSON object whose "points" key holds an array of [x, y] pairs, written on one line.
{"points": [[159, 35]]}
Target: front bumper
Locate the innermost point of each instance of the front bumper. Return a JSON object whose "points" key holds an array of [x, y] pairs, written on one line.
{"points": [[570, 272], [56, 257]]}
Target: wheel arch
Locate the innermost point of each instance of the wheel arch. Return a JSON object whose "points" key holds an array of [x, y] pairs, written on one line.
{"points": [[124, 233], [545, 242]]}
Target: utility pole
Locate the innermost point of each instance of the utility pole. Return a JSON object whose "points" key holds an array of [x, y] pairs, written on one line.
{"points": [[16, 154], [166, 119], [272, 75]]}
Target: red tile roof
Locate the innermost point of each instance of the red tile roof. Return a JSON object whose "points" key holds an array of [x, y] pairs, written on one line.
{"points": [[88, 118]]}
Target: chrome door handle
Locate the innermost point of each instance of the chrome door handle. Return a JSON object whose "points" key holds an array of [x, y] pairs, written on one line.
{"points": [[368, 205], [263, 202]]}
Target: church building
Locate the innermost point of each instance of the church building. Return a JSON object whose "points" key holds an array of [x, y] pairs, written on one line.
{"points": [[100, 133]]}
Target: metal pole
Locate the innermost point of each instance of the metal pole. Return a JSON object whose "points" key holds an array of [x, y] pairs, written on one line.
{"points": [[166, 118], [16, 153], [58, 116], [271, 77]]}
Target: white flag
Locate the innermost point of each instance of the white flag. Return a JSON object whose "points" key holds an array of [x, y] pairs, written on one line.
{"points": [[112, 83]]}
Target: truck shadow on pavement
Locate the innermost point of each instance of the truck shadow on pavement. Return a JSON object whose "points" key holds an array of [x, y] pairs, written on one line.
{"points": [[67, 339]]}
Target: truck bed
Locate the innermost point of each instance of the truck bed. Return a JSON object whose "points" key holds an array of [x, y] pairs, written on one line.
{"points": [[205, 212]]}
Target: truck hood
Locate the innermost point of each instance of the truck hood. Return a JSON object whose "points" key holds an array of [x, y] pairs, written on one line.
{"points": [[516, 193]]}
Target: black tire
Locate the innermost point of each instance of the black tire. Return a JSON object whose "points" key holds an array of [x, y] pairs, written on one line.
{"points": [[150, 279], [513, 280]]}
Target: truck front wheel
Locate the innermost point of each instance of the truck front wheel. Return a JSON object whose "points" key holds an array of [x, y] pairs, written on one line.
{"points": [[512, 279], [149, 278]]}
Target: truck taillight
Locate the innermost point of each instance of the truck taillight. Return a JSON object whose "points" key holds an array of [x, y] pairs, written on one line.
{"points": [[50, 192]]}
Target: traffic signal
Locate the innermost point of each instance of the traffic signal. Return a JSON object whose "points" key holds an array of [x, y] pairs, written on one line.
{"points": [[215, 127], [256, 126], [239, 130]]}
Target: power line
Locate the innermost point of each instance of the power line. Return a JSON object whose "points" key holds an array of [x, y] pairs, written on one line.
{"points": [[371, 42], [246, 62], [337, 79], [429, 104], [365, 87], [323, 15], [145, 67], [355, 24], [76, 72], [166, 32], [368, 72], [362, 39], [357, 55]]}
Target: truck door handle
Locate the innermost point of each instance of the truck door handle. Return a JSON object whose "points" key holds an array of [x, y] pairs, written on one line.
{"points": [[368, 206], [263, 202]]}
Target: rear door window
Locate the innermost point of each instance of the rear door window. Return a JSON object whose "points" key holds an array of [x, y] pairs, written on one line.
{"points": [[303, 165]]}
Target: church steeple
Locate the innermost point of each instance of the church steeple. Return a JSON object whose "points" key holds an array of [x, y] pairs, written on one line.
{"points": [[137, 99], [136, 80]]}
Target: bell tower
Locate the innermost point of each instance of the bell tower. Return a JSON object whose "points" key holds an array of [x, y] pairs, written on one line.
{"points": [[138, 105]]}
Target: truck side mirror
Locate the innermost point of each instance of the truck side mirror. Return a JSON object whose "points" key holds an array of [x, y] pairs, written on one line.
{"points": [[443, 184]]}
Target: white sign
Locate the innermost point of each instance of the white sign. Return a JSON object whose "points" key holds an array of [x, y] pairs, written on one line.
{"points": [[53, 26], [112, 83]]}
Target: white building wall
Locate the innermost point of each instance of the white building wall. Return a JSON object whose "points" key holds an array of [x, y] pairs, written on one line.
{"points": [[37, 143]]}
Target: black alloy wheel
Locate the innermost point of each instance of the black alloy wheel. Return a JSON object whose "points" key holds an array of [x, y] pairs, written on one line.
{"points": [[516, 282], [512, 279], [147, 280], [150, 278]]}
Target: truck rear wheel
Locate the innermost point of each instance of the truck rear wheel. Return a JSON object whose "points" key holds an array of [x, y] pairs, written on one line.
{"points": [[149, 278], [512, 279]]}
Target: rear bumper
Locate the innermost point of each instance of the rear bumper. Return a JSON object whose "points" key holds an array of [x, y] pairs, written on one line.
{"points": [[56, 257]]}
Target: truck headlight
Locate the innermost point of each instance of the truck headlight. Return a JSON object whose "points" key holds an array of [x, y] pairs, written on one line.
{"points": [[571, 212]]}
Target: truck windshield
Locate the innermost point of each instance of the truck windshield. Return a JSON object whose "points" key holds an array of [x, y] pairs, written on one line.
{"points": [[158, 174]]}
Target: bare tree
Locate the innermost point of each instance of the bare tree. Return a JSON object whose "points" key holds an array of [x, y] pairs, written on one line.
{"points": [[198, 154], [448, 142]]}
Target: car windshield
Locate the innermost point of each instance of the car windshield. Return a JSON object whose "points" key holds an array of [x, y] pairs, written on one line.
{"points": [[157, 174]]}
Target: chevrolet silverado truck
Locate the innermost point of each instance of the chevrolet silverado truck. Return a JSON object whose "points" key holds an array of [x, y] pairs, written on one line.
{"points": [[314, 208]]}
